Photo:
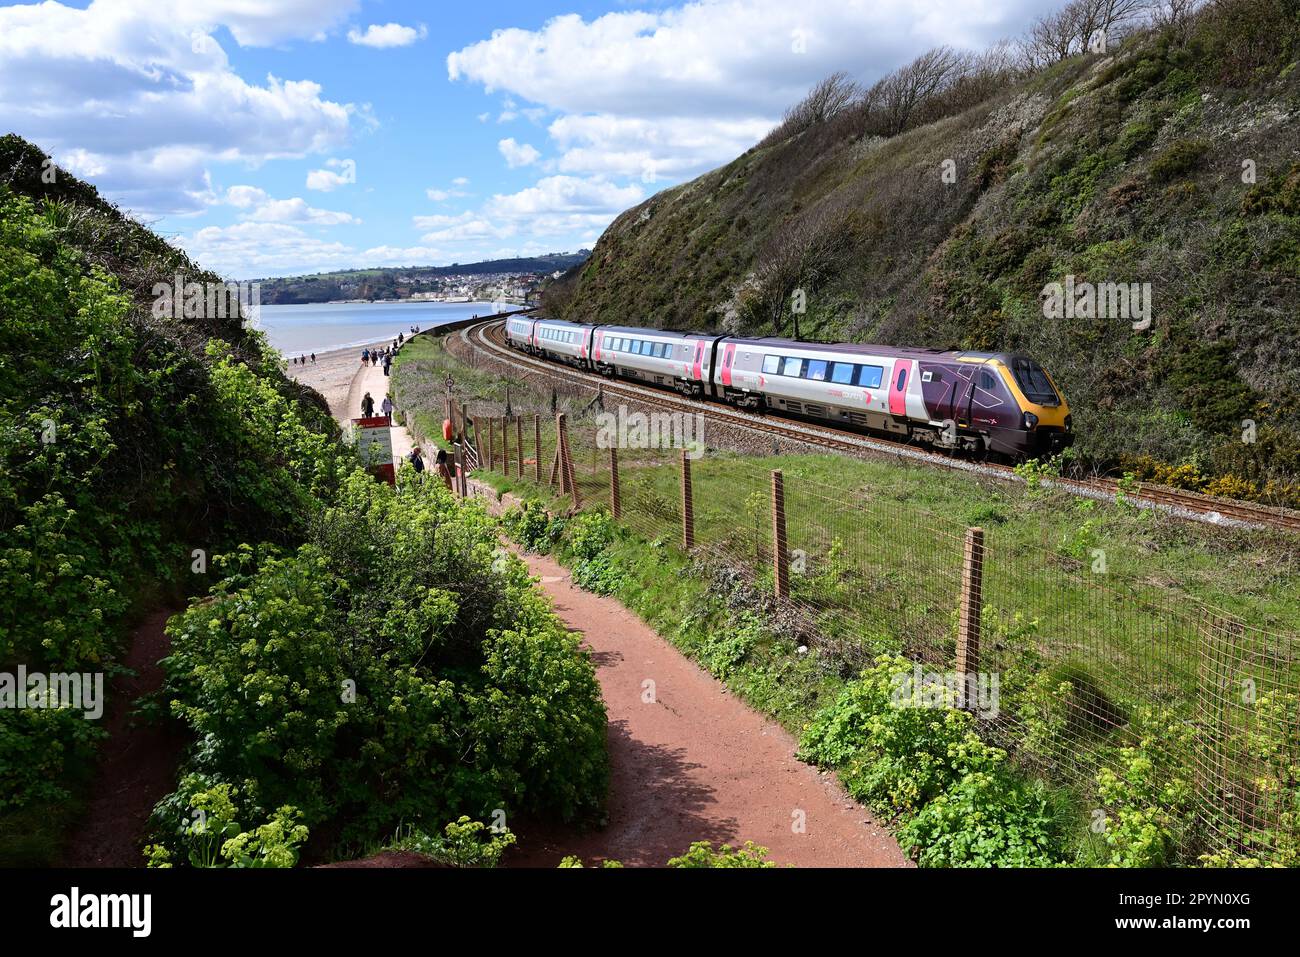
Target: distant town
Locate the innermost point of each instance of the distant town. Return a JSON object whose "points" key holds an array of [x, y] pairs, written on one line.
{"points": [[500, 280]]}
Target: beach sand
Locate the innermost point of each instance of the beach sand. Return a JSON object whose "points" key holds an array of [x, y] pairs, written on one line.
{"points": [[340, 377], [331, 375]]}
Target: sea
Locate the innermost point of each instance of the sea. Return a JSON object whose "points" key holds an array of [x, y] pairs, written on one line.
{"points": [[320, 327]]}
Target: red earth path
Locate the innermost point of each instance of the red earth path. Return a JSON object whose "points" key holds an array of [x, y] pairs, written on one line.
{"points": [[696, 764]]}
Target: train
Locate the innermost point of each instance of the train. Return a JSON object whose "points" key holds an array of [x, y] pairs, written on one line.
{"points": [[998, 403]]}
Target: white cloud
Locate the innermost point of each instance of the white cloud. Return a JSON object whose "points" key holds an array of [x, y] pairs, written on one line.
{"points": [[151, 100], [388, 35], [673, 92], [248, 250], [460, 181], [327, 180], [517, 154], [262, 208]]}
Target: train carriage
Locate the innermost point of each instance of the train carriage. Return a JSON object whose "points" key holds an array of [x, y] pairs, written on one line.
{"points": [[681, 361], [567, 342], [519, 333]]}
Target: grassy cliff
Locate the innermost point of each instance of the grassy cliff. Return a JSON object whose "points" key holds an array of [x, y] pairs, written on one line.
{"points": [[1173, 160]]}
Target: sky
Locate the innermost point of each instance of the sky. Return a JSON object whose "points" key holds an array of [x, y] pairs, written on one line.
{"points": [[278, 137]]}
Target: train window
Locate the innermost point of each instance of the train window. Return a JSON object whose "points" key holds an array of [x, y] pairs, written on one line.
{"points": [[842, 372], [661, 349], [1034, 382], [817, 369], [986, 380], [771, 364], [869, 376], [902, 377], [792, 366]]}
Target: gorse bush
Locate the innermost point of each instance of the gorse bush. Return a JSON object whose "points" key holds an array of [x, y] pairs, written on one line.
{"points": [[396, 670]]}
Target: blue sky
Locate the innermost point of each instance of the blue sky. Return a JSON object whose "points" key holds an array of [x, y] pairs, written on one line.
{"points": [[286, 136]]}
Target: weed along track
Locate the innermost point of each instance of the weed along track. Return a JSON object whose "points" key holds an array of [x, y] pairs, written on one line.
{"points": [[489, 337]]}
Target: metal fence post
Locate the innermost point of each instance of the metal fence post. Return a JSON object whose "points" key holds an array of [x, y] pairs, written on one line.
{"points": [[688, 505], [615, 500], [972, 605], [780, 557]]}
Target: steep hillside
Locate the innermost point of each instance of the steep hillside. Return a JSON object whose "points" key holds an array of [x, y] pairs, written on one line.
{"points": [[135, 446], [1174, 161]]}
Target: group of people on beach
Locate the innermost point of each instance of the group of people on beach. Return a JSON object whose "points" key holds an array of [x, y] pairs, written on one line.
{"points": [[377, 355], [302, 360]]}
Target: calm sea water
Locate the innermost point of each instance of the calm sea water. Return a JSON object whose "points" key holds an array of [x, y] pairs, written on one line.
{"points": [[319, 327]]}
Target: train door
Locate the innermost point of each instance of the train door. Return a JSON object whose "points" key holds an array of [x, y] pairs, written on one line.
{"points": [[898, 388], [697, 367], [598, 340], [727, 356]]}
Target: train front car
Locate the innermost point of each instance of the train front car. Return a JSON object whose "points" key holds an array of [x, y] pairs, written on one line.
{"points": [[1044, 426], [973, 402], [567, 342]]}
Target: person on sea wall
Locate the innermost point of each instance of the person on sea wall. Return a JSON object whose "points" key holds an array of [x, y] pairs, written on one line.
{"points": [[365, 357], [387, 408], [416, 458], [400, 338], [368, 406], [440, 464], [388, 362]]}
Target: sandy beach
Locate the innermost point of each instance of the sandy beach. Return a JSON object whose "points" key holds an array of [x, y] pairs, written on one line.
{"points": [[332, 375], [340, 377]]}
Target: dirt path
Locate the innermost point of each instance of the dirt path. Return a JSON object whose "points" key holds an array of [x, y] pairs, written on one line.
{"points": [[137, 763], [697, 764]]}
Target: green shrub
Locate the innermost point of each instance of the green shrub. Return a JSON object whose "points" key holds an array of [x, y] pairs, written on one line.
{"points": [[531, 526], [987, 819], [463, 843], [702, 854], [1178, 159], [397, 669]]}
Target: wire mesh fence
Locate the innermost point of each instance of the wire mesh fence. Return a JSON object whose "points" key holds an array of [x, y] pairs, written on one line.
{"points": [[1083, 660]]}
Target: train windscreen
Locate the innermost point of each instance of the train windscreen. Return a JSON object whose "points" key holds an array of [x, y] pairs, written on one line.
{"points": [[1033, 382]]}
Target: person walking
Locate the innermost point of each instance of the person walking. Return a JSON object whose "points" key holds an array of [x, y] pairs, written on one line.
{"points": [[416, 458], [440, 464], [365, 357], [313, 358], [388, 362], [387, 408], [368, 406]]}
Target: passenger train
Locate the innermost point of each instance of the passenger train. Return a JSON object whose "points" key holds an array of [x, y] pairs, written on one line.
{"points": [[978, 402]]}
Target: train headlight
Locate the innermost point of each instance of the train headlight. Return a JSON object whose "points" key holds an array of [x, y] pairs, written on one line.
{"points": [[1030, 421]]}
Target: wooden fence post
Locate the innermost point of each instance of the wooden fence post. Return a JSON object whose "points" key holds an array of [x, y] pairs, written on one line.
{"points": [[537, 449], [688, 505], [972, 605], [615, 501], [566, 459], [491, 450], [780, 556], [505, 445], [519, 443], [557, 465]]}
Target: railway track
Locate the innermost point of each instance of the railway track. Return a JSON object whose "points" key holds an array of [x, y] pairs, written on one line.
{"points": [[490, 337]]}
